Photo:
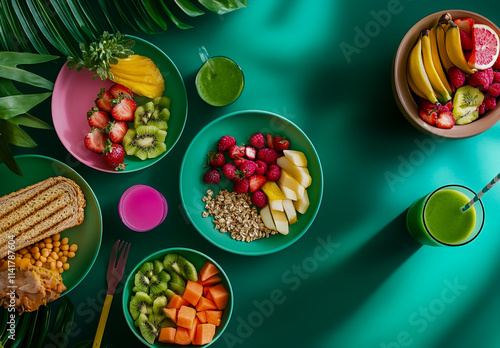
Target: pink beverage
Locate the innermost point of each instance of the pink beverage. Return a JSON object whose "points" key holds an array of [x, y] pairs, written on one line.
{"points": [[142, 208]]}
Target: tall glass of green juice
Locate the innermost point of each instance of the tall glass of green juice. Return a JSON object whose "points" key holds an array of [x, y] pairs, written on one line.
{"points": [[437, 218], [219, 81]]}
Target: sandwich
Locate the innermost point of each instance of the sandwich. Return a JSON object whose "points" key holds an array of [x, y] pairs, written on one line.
{"points": [[39, 211], [34, 287]]}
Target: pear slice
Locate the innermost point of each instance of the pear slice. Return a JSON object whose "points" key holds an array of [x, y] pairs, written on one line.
{"points": [[302, 203], [291, 213], [276, 205], [301, 174], [267, 219], [280, 221], [296, 157], [287, 183]]}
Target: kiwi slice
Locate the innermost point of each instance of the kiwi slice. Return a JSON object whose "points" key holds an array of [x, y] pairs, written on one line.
{"points": [[169, 293], [143, 114], [145, 142], [161, 103], [171, 264], [188, 270], [466, 115], [141, 279], [177, 288], [465, 103], [149, 280], [149, 330], [159, 282], [140, 303], [159, 303], [158, 266]]}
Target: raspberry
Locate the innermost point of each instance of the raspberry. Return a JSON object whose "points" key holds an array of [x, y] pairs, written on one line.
{"points": [[426, 105], [494, 90], [241, 186], [481, 109], [261, 167], [457, 77], [465, 40], [496, 76], [259, 199], [479, 80], [248, 168], [443, 108], [490, 74], [212, 176], [273, 173], [258, 140], [229, 171], [268, 155], [226, 142], [496, 66], [490, 103]]}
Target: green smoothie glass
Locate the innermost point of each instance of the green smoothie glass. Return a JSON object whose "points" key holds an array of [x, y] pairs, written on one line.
{"points": [[437, 219], [219, 80]]}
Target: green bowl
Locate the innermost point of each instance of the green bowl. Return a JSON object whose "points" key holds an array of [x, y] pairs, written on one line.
{"points": [[241, 125], [87, 235], [69, 109], [198, 259]]}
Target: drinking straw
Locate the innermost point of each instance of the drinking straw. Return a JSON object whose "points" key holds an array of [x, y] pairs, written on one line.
{"points": [[481, 193], [206, 58]]}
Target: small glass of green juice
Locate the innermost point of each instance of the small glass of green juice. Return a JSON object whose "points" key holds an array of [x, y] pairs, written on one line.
{"points": [[437, 218], [219, 80]]}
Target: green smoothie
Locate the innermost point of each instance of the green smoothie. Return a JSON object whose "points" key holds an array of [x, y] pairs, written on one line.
{"points": [[437, 218], [221, 86]]}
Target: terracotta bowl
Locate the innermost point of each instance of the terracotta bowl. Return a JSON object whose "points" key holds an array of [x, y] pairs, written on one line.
{"points": [[404, 97]]}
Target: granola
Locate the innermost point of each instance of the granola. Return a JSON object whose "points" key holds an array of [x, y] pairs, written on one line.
{"points": [[233, 213]]}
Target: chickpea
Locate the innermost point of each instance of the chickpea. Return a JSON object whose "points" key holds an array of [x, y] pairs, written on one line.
{"points": [[65, 247], [32, 261], [43, 259], [73, 247], [50, 259], [39, 264], [23, 251], [53, 265], [37, 255], [45, 252], [34, 250], [56, 237], [60, 253], [71, 254], [61, 270], [65, 240], [49, 245], [56, 244], [47, 240], [41, 245], [64, 259], [66, 266]]}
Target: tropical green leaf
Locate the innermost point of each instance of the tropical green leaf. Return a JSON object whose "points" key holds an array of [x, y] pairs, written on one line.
{"points": [[15, 58], [16, 30], [86, 18], [140, 16], [223, 6], [107, 9], [7, 157], [124, 17], [7, 88], [15, 135], [29, 26], [5, 31], [14, 105], [189, 8], [70, 22], [154, 11], [24, 76], [174, 19], [29, 121]]}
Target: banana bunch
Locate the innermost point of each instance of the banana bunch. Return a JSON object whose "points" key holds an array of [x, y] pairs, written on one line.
{"points": [[435, 52]]}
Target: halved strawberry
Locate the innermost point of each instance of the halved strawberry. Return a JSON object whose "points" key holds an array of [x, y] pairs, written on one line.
{"points": [[256, 182], [281, 143], [118, 90], [250, 152], [123, 109], [103, 101], [236, 151], [445, 120], [116, 131], [270, 140], [429, 117], [98, 118], [465, 24], [96, 140]]}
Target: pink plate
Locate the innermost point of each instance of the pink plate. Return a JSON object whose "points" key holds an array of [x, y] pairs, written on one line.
{"points": [[74, 95]]}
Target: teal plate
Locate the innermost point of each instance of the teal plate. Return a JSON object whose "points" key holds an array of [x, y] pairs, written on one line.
{"points": [[241, 125], [87, 235], [198, 259], [74, 95]]}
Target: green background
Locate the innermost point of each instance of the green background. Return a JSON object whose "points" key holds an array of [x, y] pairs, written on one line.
{"points": [[356, 278]]}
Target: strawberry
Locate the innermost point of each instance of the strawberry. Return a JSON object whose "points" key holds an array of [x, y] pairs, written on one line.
{"points": [[257, 140], [123, 109], [445, 120], [96, 140], [241, 186], [465, 40], [117, 130], [236, 151], [255, 182], [212, 176], [426, 105], [250, 152], [216, 159], [226, 142], [259, 199], [118, 90], [465, 24], [270, 140], [114, 156], [261, 167], [103, 101], [429, 117], [281, 143], [273, 173], [97, 118]]}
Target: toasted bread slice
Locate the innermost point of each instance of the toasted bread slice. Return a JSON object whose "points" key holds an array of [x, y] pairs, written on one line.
{"points": [[38, 212]]}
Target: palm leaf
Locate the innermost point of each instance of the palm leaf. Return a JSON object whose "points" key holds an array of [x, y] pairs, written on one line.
{"points": [[138, 13], [15, 135], [14, 105], [4, 31], [86, 18], [7, 88], [223, 6], [9, 70], [29, 26], [7, 157], [29, 121], [189, 8], [154, 11], [107, 10], [64, 12], [16, 30], [174, 19]]}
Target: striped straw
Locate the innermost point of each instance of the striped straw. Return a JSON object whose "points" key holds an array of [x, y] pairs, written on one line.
{"points": [[481, 193]]}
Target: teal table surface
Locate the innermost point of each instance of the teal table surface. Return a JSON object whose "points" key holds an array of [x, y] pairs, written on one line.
{"points": [[356, 278]]}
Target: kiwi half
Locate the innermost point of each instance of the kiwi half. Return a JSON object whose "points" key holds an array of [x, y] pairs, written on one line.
{"points": [[145, 142], [465, 104], [143, 114]]}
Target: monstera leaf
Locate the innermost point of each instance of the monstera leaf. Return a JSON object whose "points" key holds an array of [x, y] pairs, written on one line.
{"points": [[43, 25], [14, 105]]}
